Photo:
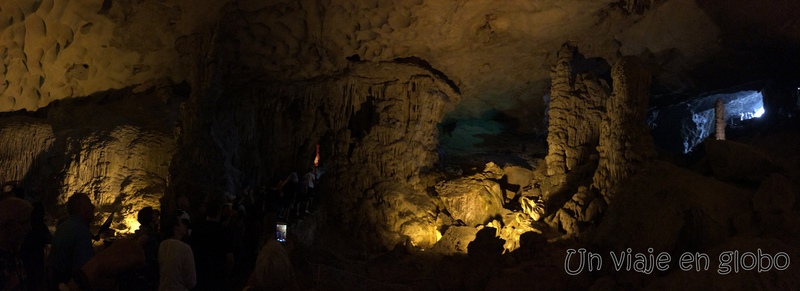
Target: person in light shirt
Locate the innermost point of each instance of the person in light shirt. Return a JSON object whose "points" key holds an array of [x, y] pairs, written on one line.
{"points": [[175, 257]]}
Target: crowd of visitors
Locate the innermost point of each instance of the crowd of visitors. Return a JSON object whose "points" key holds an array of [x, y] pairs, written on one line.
{"points": [[231, 245]]}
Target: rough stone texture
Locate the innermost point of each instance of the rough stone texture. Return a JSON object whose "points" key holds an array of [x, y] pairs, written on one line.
{"points": [[398, 212], [719, 120], [474, 200], [583, 209], [519, 176], [23, 139], [375, 124], [679, 128], [101, 145], [515, 224], [625, 142], [52, 50], [576, 110], [455, 240], [533, 208]]}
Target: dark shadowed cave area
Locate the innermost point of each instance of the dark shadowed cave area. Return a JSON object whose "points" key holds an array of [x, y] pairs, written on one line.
{"points": [[458, 145]]}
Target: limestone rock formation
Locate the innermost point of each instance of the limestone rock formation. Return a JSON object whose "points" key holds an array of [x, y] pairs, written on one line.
{"points": [[403, 214], [583, 209], [719, 119], [455, 240], [516, 175], [514, 225], [375, 125], [533, 208], [21, 143], [625, 142], [103, 145], [473, 201], [576, 109], [53, 50]]}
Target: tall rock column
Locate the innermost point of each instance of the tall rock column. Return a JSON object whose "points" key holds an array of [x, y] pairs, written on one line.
{"points": [[561, 74], [719, 114], [576, 110], [625, 142]]}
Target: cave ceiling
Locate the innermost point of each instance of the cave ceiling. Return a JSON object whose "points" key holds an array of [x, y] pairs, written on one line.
{"points": [[498, 53]]}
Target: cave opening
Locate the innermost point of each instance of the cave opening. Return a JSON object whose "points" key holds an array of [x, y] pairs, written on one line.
{"points": [[175, 105], [467, 144], [681, 127]]}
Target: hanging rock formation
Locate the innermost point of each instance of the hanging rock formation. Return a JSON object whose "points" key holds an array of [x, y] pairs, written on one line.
{"points": [[625, 142]]}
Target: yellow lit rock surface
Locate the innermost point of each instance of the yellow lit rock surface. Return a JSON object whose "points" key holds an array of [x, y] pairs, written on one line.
{"points": [[117, 152], [61, 49], [138, 102], [53, 49]]}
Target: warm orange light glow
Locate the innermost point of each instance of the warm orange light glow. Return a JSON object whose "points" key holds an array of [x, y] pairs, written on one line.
{"points": [[316, 158], [132, 225], [422, 235]]}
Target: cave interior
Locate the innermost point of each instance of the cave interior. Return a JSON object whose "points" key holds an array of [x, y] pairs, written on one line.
{"points": [[458, 144]]}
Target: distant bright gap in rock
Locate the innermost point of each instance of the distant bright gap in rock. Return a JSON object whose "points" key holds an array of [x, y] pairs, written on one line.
{"points": [[739, 106], [759, 112]]}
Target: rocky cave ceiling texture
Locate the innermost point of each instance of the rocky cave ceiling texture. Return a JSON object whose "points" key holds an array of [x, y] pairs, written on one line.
{"points": [[498, 53], [152, 103]]}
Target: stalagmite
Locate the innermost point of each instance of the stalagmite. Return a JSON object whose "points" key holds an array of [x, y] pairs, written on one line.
{"points": [[719, 114], [625, 142], [576, 109]]}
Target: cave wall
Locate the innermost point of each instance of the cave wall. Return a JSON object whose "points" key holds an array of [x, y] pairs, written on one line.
{"points": [[250, 134], [114, 146]]}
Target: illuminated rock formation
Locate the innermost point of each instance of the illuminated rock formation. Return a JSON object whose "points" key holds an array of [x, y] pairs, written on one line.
{"points": [[719, 120], [625, 143], [514, 225], [455, 240], [473, 200], [376, 127], [584, 208], [21, 142], [576, 109], [52, 50], [103, 146]]}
